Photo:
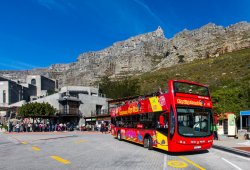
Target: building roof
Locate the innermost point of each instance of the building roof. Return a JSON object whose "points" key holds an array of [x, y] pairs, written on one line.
{"points": [[245, 113], [18, 104], [65, 98]]}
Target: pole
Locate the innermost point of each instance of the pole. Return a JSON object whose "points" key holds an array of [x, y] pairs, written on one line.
{"points": [[240, 122]]}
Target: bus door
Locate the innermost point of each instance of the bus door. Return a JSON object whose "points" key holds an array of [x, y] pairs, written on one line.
{"points": [[162, 131]]}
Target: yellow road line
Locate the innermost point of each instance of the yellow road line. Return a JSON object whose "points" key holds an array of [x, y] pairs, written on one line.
{"points": [[59, 159], [192, 163], [35, 148], [24, 142], [80, 141]]}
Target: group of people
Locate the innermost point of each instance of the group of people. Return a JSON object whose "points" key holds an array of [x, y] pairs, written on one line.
{"points": [[39, 127], [19, 127], [105, 128]]}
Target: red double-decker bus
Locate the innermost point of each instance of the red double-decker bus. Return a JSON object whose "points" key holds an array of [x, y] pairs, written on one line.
{"points": [[177, 120]]}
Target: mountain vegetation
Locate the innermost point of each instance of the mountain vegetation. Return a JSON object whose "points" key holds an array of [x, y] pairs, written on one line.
{"points": [[228, 77]]}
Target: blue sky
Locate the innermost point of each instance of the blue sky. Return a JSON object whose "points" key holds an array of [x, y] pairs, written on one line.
{"points": [[38, 33]]}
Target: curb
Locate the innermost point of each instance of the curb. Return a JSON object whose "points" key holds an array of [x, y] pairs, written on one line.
{"points": [[232, 150]]}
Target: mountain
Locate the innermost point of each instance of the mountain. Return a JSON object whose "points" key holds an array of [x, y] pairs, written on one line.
{"points": [[145, 53]]}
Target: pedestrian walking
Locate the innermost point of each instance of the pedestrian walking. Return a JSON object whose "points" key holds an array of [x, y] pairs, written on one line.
{"points": [[214, 131]]}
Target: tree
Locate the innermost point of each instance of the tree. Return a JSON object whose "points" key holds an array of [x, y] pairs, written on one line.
{"points": [[232, 99], [120, 88], [36, 110]]}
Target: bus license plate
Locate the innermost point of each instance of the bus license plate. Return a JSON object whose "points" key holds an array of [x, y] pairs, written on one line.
{"points": [[197, 147]]}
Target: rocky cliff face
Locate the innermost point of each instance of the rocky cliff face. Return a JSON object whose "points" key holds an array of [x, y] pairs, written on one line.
{"points": [[148, 52], [208, 41], [133, 56]]}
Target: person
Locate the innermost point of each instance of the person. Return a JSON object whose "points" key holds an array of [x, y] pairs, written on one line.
{"points": [[10, 126], [61, 127], [106, 128], [214, 131], [17, 127], [102, 128], [40, 127], [29, 127]]}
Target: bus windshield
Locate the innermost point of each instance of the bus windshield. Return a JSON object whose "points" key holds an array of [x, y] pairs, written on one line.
{"points": [[194, 121], [180, 87]]}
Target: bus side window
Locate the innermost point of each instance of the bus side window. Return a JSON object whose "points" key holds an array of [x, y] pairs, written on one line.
{"points": [[113, 121], [172, 123]]}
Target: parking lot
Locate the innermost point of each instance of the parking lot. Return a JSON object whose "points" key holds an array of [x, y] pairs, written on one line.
{"points": [[101, 151]]}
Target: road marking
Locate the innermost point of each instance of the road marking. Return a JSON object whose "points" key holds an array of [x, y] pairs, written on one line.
{"points": [[231, 154], [231, 164], [191, 162], [35, 148], [59, 159], [80, 141], [177, 164], [165, 162], [24, 142]]}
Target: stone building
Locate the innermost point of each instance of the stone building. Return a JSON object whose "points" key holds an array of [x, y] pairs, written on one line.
{"points": [[13, 92], [43, 84], [76, 103]]}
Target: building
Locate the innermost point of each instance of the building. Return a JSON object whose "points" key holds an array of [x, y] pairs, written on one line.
{"points": [[76, 104], [245, 120], [13, 92], [43, 84], [36, 86]]}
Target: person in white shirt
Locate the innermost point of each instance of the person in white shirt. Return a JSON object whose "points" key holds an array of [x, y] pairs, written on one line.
{"points": [[17, 127]]}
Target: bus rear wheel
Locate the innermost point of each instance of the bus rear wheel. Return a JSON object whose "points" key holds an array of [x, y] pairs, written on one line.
{"points": [[148, 143], [119, 135]]}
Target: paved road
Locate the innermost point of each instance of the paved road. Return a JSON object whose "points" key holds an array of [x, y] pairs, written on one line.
{"points": [[101, 151]]}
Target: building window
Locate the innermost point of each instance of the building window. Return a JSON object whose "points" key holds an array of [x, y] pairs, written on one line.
{"points": [[4, 96], [65, 109], [98, 109], [33, 82]]}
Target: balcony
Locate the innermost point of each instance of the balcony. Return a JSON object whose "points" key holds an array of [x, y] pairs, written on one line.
{"points": [[102, 112]]}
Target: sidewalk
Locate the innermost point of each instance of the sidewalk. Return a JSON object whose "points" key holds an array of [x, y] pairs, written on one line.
{"points": [[230, 144], [53, 133]]}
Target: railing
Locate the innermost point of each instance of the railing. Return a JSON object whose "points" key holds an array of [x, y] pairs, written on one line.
{"points": [[4, 104], [100, 112], [69, 112]]}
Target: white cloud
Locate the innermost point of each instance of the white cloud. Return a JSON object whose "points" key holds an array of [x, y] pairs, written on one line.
{"points": [[13, 64], [50, 4], [149, 11], [58, 5]]}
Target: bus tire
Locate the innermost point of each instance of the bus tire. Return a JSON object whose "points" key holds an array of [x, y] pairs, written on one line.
{"points": [[150, 143], [119, 137], [145, 142]]}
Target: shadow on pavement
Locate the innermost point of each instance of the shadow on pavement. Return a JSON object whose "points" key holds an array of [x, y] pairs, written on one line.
{"points": [[170, 153]]}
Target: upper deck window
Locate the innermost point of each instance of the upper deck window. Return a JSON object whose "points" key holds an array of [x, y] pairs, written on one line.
{"points": [[181, 87]]}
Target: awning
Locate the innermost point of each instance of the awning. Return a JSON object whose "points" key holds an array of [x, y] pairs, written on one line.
{"points": [[245, 113], [18, 104]]}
